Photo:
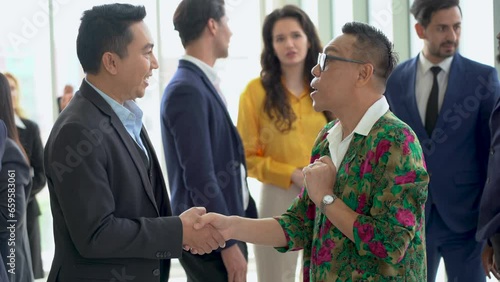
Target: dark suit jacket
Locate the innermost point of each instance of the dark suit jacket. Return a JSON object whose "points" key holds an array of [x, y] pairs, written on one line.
{"points": [[489, 212], [107, 225], [457, 153], [32, 144], [15, 183], [3, 137], [203, 149]]}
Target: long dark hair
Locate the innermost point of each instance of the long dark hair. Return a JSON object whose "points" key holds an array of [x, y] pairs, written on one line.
{"points": [[276, 104], [7, 113]]}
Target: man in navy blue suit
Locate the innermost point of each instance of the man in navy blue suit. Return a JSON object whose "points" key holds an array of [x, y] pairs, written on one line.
{"points": [[203, 151], [447, 100], [489, 212]]}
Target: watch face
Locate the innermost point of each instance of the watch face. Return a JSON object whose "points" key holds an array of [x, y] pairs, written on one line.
{"points": [[328, 199]]}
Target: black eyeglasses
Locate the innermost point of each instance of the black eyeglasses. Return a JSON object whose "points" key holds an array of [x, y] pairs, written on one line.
{"points": [[322, 57]]}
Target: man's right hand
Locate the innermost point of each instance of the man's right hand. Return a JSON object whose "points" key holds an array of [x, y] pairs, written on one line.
{"points": [[203, 240]]}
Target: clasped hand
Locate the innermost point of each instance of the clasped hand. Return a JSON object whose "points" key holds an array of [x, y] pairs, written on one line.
{"points": [[202, 240], [319, 178]]}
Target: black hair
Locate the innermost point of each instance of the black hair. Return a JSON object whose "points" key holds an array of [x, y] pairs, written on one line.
{"points": [[191, 17], [106, 29], [422, 10], [372, 46]]}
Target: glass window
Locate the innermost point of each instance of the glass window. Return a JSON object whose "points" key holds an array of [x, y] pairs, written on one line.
{"points": [[380, 16], [342, 13]]}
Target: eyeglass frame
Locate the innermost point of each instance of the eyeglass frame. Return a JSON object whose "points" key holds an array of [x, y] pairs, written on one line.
{"points": [[322, 57]]}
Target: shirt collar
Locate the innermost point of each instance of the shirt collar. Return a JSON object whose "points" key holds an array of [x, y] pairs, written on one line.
{"points": [[371, 116], [205, 68], [129, 113], [425, 65], [19, 123]]}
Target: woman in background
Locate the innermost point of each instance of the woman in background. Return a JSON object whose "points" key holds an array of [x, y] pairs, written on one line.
{"points": [[278, 124], [15, 183], [29, 135]]}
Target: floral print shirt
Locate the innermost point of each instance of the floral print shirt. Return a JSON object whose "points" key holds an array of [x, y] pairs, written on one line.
{"points": [[383, 178]]}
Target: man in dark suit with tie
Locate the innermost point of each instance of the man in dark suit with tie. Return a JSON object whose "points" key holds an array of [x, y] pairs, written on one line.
{"points": [[447, 100], [203, 150], [111, 212]]}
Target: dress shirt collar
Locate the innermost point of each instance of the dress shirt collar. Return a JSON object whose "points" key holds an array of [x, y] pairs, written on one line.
{"points": [[205, 68], [371, 116], [129, 113], [425, 65], [19, 123]]}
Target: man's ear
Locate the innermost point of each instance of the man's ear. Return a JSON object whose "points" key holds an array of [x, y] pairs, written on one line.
{"points": [[420, 29], [110, 63], [365, 74], [212, 26]]}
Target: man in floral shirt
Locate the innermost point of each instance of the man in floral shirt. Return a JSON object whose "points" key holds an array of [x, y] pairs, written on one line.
{"points": [[361, 214]]}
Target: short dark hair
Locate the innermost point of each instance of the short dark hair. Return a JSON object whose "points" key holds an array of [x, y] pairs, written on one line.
{"points": [[105, 29], [277, 105], [372, 46], [191, 17], [422, 10]]}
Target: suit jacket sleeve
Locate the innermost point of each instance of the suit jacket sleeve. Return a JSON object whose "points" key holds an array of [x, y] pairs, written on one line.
{"points": [[36, 162], [186, 115], [84, 194]]}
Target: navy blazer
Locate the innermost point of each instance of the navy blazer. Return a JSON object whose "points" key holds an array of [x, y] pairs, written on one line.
{"points": [[457, 152], [15, 183], [108, 225], [489, 212], [203, 149], [3, 138]]}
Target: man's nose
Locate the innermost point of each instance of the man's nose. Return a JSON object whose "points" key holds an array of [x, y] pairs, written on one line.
{"points": [[315, 71]]}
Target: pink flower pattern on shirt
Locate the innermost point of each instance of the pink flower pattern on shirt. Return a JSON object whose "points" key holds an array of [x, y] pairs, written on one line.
{"points": [[383, 180]]}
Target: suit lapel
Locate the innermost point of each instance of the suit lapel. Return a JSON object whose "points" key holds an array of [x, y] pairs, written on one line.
{"points": [[454, 90], [89, 93], [216, 96], [410, 98]]}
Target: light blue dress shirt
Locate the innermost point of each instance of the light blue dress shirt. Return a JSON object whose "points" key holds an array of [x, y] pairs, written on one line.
{"points": [[129, 114]]}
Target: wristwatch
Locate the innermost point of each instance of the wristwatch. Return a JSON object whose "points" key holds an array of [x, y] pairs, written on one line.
{"points": [[327, 200]]}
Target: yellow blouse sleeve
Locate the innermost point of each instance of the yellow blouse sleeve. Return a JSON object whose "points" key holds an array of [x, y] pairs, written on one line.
{"points": [[260, 166]]}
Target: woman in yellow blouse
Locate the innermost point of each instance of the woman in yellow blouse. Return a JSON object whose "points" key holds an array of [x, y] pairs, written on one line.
{"points": [[278, 124]]}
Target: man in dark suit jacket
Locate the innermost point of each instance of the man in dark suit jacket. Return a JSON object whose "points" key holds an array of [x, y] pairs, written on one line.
{"points": [[110, 208], [203, 150], [449, 108], [489, 211]]}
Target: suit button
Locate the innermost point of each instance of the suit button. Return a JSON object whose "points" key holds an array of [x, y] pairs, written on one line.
{"points": [[158, 255], [169, 255], [492, 151], [156, 272]]}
